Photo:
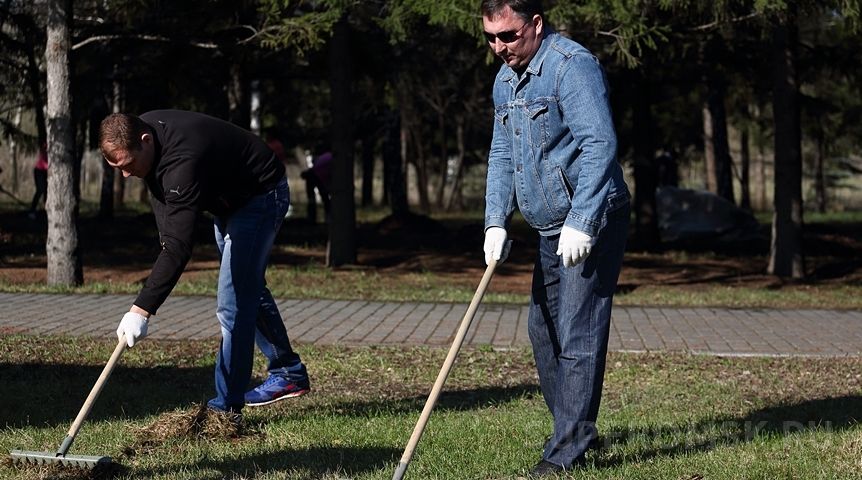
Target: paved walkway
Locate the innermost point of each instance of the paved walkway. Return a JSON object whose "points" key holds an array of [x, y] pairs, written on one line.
{"points": [[715, 331]]}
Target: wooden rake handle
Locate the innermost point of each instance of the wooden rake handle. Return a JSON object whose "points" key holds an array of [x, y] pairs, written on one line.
{"points": [[91, 399], [444, 372]]}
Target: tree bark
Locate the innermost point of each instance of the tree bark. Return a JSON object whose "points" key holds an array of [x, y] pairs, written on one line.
{"points": [[786, 259], [64, 261], [108, 191], [34, 80], [455, 196], [421, 165], [341, 248], [395, 190], [723, 161], [368, 170], [819, 175], [709, 151], [745, 164], [760, 177], [13, 150], [444, 160], [238, 106]]}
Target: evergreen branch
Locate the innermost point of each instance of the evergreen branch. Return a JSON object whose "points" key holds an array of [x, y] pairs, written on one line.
{"points": [[150, 38]]}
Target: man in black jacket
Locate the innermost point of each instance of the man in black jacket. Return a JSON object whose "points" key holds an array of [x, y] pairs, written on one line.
{"points": [[192, 162]]}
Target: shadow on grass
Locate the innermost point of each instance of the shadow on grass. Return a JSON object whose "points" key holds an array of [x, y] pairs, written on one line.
{"points": [[831, 415], [310, 463], [45, 394], [452, 400]]}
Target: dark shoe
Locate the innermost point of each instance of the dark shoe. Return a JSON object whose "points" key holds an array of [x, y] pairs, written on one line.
{"points": [[276, 388], [545, 469]]}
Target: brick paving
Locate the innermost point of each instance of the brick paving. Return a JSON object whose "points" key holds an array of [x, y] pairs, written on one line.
{"points": [[714, 331]]}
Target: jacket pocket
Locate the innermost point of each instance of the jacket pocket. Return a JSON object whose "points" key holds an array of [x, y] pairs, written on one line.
{"points": [[501, 114], [536, 113]]}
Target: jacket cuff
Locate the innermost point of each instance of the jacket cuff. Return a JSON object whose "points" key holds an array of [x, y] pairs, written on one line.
{"points": [[582, 224], [495, 221]]}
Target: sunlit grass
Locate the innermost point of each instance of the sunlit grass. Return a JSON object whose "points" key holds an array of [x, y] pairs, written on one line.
{"points": [[662, 416], [317, 282]]}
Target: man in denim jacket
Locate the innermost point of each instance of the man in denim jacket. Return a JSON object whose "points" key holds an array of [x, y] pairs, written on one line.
{"points": [[554, 152]]}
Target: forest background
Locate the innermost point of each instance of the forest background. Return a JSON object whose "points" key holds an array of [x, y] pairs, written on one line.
{"points": [[755, 101]]}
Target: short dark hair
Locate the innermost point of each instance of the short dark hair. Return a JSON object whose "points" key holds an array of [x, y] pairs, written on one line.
{"points": [[122, 130], [525, 9]]}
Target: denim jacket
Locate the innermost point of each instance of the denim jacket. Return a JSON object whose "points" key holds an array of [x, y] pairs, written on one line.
{"points": [[554, 147]]}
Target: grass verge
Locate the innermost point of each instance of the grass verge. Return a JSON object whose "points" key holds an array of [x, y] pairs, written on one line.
{"points": [[318, 282], [663, 416]]}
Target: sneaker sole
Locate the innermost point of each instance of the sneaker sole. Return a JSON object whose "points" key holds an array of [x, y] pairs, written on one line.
{"points": [[283, 397]]}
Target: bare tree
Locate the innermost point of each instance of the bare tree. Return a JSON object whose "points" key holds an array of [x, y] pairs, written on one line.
{"points": [[64, 262], [785, 258]]}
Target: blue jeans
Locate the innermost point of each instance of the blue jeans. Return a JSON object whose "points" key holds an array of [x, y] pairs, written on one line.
{"points": [[569, 319], [246, 310]]}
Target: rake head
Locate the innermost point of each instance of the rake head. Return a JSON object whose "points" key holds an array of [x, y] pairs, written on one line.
{"points": [[22, 457]]}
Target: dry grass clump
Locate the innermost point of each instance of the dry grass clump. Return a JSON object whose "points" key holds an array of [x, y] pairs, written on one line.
{"points": [[197, 422]]}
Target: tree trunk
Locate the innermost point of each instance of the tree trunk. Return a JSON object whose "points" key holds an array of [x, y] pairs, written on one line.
{"points": [[13, 150], [455, 197], [819, 176], [393, 171], [760, 177], [420, 163], [645, 173], [108, 192], [341, 248], [786, 259], [254, 123], [709, 151], [722, 166], [238, 111], [368, 170], [745, 163], [64, 261], [444, 160], [34, 79]]}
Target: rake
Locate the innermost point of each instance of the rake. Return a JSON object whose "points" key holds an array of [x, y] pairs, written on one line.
{"points": [[23, 457], [444, 372]]}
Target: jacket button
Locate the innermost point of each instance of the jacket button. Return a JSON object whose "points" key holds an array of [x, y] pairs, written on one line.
{"points": [[517, 131]]}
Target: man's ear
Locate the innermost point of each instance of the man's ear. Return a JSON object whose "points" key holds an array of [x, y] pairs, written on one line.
{"points": [[146, 138], [538, 23]]}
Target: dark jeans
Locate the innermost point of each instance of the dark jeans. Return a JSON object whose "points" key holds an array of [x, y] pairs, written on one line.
{"points": [[312, 181], [246, 310], [568, 323], [40, 178]]}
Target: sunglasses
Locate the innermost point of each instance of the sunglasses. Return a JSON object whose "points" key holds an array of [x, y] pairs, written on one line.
{"points": [[508, 36]]}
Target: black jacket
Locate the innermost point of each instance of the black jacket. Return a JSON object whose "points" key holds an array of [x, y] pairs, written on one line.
{"points": [[201, 163]]}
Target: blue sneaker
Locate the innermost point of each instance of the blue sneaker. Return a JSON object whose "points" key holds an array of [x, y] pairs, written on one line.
{"points": [[276, 388]]}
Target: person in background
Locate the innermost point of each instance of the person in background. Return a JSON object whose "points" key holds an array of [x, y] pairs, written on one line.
{"points": [[553, 153], [40, 179], [193, 162], [318, 176]]}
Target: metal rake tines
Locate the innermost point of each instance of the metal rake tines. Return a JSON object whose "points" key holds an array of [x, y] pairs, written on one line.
{"points": [[48, 458]]}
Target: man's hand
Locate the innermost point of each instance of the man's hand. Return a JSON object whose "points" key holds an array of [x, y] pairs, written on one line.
{"points": [[496, 246], [133, 327], [574, 246]]}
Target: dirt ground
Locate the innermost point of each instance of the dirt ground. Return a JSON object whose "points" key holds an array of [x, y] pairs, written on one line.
{"points": [[122, 250]]}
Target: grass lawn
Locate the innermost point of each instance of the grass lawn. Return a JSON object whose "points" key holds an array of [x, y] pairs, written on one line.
{"points": [[440, 259], [663, 416]]}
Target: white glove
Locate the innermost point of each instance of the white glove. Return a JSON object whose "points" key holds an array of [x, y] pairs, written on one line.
{"points": [[574, 246], [496, 247], [133, 327]]}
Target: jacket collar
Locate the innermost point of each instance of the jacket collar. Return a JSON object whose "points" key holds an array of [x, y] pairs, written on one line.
{"points": [[535, 65]]}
